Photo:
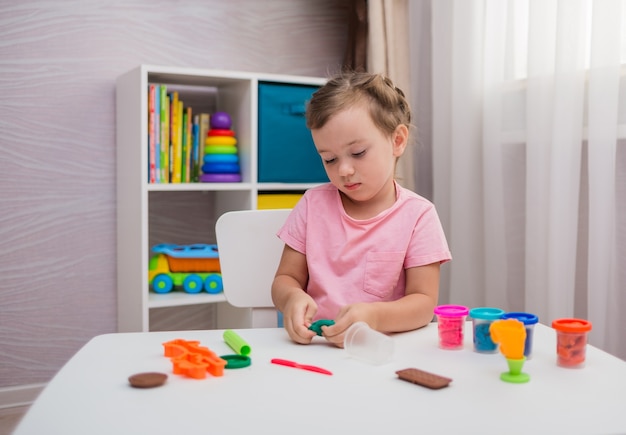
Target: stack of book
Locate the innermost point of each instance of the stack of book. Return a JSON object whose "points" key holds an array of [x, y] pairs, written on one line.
{"points": [[175, 137]]}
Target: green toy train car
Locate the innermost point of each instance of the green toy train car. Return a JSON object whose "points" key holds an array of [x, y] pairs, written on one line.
{"points": [[193, 267]]}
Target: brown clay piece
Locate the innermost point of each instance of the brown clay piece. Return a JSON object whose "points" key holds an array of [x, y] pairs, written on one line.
{"points": [[147, 379]]}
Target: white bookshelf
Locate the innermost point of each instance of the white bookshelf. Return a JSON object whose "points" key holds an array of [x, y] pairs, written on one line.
{"points": [[233, 92]]}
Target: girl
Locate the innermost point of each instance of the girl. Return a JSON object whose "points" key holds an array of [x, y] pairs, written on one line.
{"points": [[360, 248]]}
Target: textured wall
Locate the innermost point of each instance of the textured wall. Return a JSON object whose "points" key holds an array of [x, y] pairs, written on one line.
{"points": [[58, 64]]}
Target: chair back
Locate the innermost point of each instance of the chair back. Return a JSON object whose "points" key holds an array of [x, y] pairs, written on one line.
{"points": [[249, 253]]}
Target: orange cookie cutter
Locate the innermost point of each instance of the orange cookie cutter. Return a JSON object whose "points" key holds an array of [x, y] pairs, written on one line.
{"points": [[192, 360]]}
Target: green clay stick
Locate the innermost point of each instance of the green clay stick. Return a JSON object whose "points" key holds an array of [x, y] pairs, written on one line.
{"points": [[236, 343]]}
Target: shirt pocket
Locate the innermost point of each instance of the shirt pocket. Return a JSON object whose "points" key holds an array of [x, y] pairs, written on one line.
{"points": [[382, 271]]}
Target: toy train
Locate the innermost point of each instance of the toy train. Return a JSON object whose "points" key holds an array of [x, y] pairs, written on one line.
{"points": [[194, 267]]}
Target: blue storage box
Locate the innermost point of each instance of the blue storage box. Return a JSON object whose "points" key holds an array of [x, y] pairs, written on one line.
{"points": [[286, 150]]}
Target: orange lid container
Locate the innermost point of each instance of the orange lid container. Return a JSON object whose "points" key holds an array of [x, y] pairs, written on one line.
{"points": [[571, 325]]}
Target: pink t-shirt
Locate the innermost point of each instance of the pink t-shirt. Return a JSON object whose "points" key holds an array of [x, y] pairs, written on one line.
{"points": [[362, 260]]}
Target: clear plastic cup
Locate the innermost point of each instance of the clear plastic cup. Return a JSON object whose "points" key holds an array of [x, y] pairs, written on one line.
{"points": [[367, 344], [482, 318], [571, 342], [529, 320], [451, 325]]}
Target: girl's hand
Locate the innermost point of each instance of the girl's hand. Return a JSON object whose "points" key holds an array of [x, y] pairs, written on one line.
{"points": [[298, 316], [361, 312]]}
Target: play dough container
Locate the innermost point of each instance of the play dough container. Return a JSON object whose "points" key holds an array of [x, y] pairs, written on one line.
{"points": [[482, 318], [529, 320], [451, 325], [571, 342]]}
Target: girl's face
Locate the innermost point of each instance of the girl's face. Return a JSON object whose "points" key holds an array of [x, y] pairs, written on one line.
{"points": [[358, 157]]}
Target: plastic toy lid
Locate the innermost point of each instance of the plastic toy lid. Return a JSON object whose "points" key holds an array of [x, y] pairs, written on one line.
{"points": [[486, 313], [451, 310], [236, 361], [525, 318], [571, 325]]}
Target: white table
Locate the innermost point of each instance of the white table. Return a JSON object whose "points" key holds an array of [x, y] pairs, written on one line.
{"points": [[91, 394]]}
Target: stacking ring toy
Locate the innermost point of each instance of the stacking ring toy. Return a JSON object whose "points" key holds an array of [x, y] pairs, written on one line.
{"points": [[220, 178], [221, 132], [221, 121], [221, 168], [220, 149], [220, 140], [221, 158]]}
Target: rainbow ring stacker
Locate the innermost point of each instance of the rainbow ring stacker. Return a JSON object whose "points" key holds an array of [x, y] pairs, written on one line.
{"points": [[220, 178]]}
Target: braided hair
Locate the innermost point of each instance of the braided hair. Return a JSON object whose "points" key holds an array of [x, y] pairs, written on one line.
{"points": [[387, 103]]}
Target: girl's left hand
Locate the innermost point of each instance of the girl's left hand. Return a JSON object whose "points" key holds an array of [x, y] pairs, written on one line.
{"points": [[361, 312]]}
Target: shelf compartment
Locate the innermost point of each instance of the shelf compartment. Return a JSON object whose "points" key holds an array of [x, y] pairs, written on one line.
{"points": [[179, 299]]}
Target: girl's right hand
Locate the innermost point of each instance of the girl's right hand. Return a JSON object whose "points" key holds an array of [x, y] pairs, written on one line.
{"points": [[298, 316]]}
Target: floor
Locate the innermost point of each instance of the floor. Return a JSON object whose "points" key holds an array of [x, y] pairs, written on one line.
{"points": [[9, 418]]}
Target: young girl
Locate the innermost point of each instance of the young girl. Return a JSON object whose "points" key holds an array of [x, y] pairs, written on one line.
{"points": [[360, 248]]}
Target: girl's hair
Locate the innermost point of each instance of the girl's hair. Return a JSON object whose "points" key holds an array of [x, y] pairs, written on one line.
{"points": [[387, 104]]}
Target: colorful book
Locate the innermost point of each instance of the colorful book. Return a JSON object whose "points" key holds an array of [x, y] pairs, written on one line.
{"points": [[184, 161], [195, 162], [165, 136], [173, 105], [179, 142], [175, 166], [157, 134], [189, 145], [176, 141], [151, 135], [203, 129]]}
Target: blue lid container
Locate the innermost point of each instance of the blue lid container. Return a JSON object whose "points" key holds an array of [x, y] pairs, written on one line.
{"points": [[525, 318], [529, 320], [482, 317]]}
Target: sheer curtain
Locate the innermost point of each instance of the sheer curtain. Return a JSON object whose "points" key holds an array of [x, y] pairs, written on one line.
{"points": [[388, 53], [529, 155]]}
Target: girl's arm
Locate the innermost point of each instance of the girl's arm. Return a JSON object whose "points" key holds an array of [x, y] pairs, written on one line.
{"points": [[415, 309], [289, 297]]}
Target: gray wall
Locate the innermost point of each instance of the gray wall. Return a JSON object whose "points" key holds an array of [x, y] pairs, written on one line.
{"points": [[58, 64]]}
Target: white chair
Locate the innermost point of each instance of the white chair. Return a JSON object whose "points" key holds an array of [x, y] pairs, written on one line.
{"points": [[249, 253]]}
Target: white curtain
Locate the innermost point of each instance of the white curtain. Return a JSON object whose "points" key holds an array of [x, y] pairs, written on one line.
{"points": [[529, 155]]}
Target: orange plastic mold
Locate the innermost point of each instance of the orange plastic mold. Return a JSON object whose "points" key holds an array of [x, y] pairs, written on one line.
{"points": [[192, 360]]}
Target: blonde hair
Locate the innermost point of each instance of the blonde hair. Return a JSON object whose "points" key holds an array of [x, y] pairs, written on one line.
{"points": [[387, 104]]}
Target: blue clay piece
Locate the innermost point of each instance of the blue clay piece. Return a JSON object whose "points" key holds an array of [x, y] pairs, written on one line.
{"points": [[482, 338], [528, 344]]}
